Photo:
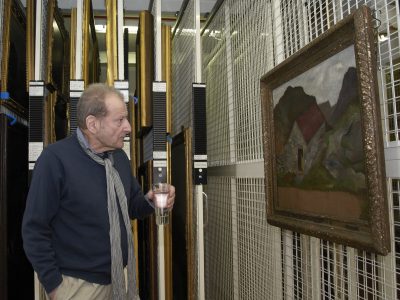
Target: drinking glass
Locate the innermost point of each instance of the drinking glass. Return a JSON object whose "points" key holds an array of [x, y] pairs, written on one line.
{"points": [[161, 191]]}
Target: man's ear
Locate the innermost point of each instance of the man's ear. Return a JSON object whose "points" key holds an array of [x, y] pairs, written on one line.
{"points": [[92, 124]]}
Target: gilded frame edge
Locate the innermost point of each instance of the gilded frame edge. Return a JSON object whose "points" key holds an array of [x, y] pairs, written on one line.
{"points": [[12, 9], [54, 14], [376, 237], [191, 257], [30, 42], [5, 43]]}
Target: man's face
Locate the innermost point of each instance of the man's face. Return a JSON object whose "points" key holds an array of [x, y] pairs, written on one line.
{"points": [[114, 126]]}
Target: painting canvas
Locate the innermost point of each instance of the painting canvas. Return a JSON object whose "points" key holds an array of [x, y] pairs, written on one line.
{"points": [[319, 149], [323, 149]]}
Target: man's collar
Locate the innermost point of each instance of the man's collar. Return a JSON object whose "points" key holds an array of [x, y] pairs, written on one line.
{"points": [[83, 138]]}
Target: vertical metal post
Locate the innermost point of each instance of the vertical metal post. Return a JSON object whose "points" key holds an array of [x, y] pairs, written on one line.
{"points": [[120, 33], [79, 42], [315, 268], [199, 188], [288, 263], [235, 247], [199, 143], [352, 274], [198, 62], [278, 32], [161, 262], [231, 110], [232, 151], [38, 41], [390, 259], [158, 72], [157, 36]]}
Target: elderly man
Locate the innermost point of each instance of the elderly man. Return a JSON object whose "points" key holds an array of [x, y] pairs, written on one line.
{"points": [[76, 227]]}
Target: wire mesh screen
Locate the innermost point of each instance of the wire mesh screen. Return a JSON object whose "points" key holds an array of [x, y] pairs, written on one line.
{"points": [[219, 116], [183, 69], [396, 235], [218, 240], [238, 47], [245, 257], [255, 253]]}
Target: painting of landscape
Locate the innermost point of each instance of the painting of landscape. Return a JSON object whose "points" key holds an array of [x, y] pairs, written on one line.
{"points": [[320, 161], [324, 161]]}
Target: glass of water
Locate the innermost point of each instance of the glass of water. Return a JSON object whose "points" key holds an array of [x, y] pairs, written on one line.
{"points": [[161, 191]]}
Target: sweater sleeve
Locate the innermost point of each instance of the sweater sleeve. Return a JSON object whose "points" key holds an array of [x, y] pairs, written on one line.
{"points": [[41, 207], [139, 206]]}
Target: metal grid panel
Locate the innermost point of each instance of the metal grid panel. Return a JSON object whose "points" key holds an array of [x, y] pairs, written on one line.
{"points": [[389, 60], [256, 277], [392, 107], [183, 70], [218, 114], [218, 240], [237, 49], [395, 191], [252, 56], [308, 268]]}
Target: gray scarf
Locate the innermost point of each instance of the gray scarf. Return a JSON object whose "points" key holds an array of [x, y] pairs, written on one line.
{"points": [[115, 190]]}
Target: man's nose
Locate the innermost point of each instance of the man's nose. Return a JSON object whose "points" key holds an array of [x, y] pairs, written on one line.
{"points": [[127, 126]]}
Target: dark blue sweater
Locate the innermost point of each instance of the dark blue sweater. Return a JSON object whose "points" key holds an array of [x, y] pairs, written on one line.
{"points": [[66, 226]]}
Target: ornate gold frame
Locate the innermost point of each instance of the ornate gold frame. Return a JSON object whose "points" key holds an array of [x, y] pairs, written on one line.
{"points": [[72, 53], [167, 71], [6, 44], [190, 230], [369, 231], [90, 47], [30, 42], [145, 71], [111, 42], [54, 15], [13, 11]]}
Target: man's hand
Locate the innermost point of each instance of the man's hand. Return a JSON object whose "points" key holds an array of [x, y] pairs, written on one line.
{"points": [[171, 196]]}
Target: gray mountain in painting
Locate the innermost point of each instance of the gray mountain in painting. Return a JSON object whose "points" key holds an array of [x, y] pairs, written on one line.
{"points": [[292, 104], [348, 95], [319, 146]]}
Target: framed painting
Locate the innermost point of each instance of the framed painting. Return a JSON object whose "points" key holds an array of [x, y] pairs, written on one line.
{"points": [[57, 75], [322, 137], [13, 58], [183, 237]]}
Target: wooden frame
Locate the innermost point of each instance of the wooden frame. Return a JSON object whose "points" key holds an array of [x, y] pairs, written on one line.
{"points": [[57, 74], [57, 33], [91, 58], [144, 72], [323, 147], [5, 51], [13, 58], [30, 42], [183, 239]]}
